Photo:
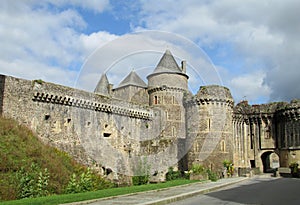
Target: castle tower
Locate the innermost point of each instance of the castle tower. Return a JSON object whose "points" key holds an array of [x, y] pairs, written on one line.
{"points": [[129, 86], [166, 87], [103, 86], [209, 127]]}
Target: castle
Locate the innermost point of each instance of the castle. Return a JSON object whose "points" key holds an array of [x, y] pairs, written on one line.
{"points": [[160, 123]]}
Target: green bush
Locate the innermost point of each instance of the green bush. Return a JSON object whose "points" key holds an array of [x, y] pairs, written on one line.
{"points": [[139, 180], [173, 175], [80, 184], [32, 183], [197, 169], [212, 176], [229, 167]]}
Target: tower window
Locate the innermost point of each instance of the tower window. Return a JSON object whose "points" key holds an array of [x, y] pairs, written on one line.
{"points": [[155, 100], [173, 131], [223, 146], [173, 99]]}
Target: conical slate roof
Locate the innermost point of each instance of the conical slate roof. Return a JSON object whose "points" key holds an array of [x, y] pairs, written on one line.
{"points": [[102, 86], [167, 64], [133, 79]]}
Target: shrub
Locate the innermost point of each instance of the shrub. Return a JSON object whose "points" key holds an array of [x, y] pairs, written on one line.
{"points": [[80, 184], [197, 169], [172, 175], [32, 183], [139, 180], [212, 175], [229, 167]]}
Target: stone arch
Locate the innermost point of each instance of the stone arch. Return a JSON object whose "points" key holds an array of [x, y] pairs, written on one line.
{"points": [[270, 161]]}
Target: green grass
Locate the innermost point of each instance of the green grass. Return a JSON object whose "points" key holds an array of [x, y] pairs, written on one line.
{"points": [[68, 198], [20, 148]]}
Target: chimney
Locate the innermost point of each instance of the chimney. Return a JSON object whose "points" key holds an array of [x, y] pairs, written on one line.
{"points": [[183, 66], [110, 89]]}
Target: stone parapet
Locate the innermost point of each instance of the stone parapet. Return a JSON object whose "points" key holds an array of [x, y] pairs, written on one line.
{"points": [[91, 105]]}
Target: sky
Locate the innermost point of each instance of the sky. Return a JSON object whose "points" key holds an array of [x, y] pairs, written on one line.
{"points": [[253, 45]]}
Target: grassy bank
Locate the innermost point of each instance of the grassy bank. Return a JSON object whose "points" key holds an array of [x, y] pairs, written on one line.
{"points": [[24, 159], [68, 198]]}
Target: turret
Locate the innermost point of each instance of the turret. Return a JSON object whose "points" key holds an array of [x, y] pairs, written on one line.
{"points": [[103, 87], [167, 73], [210, 127]]}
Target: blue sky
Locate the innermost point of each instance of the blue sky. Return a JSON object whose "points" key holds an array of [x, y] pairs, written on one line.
{"points": [[254, 45]]}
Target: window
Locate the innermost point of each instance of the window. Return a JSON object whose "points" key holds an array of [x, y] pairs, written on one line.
{"points": [[47, 117], [173, 131], [155, 100], [223, 146], [105, 134]]}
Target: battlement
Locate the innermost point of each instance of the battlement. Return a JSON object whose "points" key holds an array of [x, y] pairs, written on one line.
{"points": [[282, 110], [211, 95], [91, 105]]}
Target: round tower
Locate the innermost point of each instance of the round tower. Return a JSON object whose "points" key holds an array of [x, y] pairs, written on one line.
{"points": [[166, 87], [210, 131]]}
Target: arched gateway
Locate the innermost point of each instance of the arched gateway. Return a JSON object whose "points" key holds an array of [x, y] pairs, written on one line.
{"points": [[270, 161]]}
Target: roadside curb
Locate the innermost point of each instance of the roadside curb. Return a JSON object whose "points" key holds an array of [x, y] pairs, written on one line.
{"points": [[130, 194], [170, 199], [191, 194]]}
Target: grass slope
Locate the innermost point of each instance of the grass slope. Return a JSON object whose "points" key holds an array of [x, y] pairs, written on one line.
{"points": [[20, 148]]}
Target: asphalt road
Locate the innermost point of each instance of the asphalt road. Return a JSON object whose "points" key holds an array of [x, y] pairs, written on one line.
{"points": [[264, 191]]}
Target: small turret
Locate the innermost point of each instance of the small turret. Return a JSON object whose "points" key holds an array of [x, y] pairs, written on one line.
{"points": [[103, 86]]}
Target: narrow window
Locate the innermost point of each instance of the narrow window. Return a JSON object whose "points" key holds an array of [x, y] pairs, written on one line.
{"points": [[155, 100], [223, 146], [173, 131], [173, 99], [47, 117], [208, 124]]}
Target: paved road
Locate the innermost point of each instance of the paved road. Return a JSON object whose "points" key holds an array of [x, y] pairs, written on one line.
{"points": [[254, 191], [163, 196]]}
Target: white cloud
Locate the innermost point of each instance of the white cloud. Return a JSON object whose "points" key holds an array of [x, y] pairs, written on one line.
{"points": [[247, 86], [261, 34], [91, 42], [40, 42], [45, 39]]}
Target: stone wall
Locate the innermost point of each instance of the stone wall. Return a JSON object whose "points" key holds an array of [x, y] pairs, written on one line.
{"points": [[164, 125], [209, 127], [95, 130], [267, 128]]}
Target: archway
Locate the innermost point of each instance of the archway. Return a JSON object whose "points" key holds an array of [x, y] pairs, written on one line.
{"points": [[270, 161]]}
